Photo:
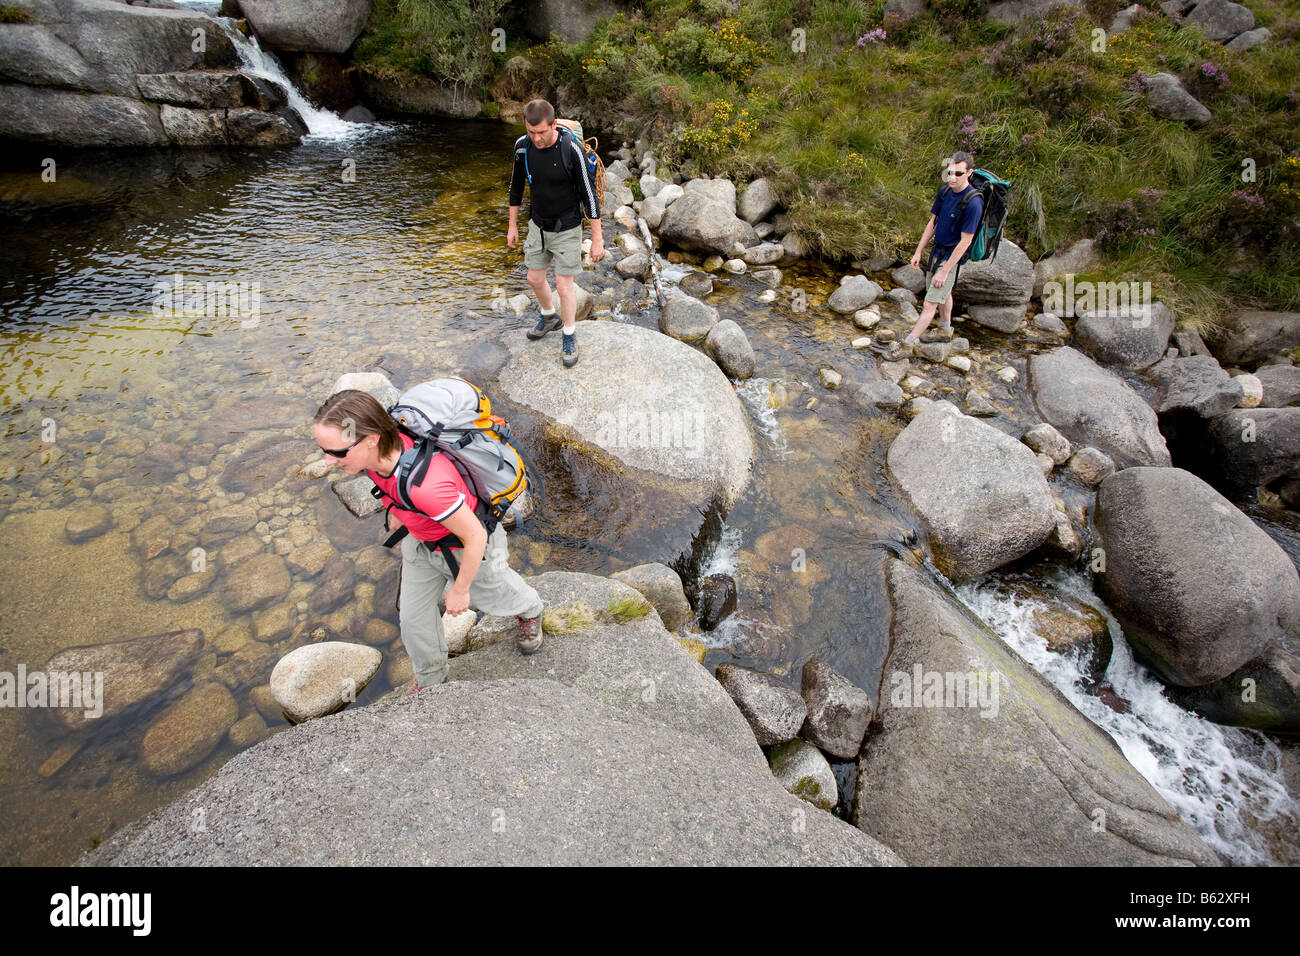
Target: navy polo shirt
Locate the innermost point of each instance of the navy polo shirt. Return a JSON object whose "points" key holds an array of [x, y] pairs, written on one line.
{"points": [[947, 230]]}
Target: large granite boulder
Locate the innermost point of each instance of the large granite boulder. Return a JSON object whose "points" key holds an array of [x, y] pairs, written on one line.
{"points": [[39, 114], [1091, 405], [702, 222], [1132, 338], [1196, 614], [571, 19], [1005, 280], [1014, 11], [307, 26], [1250, 448], [610, 746], [1169, 100], [422, 96], [1253, 336], [662, 449], [979, 493], [1221, 19], [1011, 774], [135, 672], [1079, 257], [1281, 385]]}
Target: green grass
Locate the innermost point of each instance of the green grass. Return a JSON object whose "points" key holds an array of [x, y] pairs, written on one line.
{"points": [[853, 137], [11, 14], [630, 607]]}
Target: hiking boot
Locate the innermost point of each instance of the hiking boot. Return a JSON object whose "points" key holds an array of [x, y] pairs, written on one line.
{"points": [[545, 323], [569, 348], [940, 333], [530, 634]]}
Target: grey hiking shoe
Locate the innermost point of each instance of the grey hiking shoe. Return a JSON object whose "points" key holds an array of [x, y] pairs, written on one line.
{"points": [[545, 323], [530, 634], [569, 348]]}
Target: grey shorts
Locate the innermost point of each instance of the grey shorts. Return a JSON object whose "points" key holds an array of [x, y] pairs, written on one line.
{"points": [[564, 249], [940, 296]]}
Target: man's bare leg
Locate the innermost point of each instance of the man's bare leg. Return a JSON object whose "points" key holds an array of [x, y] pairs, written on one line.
{"points": [[568, 302], [541, 288]]}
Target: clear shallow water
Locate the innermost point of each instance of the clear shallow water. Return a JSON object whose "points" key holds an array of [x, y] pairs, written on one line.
{"points": [[1223, 781]]}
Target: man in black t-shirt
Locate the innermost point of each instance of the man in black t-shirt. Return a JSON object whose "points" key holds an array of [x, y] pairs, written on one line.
{"points": [[561, 188], [953, 228]]}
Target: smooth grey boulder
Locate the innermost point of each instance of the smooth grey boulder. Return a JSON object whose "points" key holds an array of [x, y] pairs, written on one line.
{"points": [[687, 318], [661, 586], [504, 771], [1252, 337], [854, 292], [838, 710], [905, 9], [307, 26], [260, 130], [123, 40], [1000, 318], [136, 671], [774, 709], [1196, 614], [1281, 385], [729, 345], [756, 202], [1091, 405], [203, 89], [721, 191], [571, 19], [979, 493], [800, 767], [763, 254], [636, 665], [1005, 280], [194, 128], [1264, 694], [1249, 40], [913, 280], [1078, 257], [635, 266], [1132, 339], [1221, 19], [30, 53], [426, 96], [41, 114], [319, 679], [1169, 100], [1046, 440], [86, 522], [189, 730], [1091, 466], [375, 384], [1196, 385], [879, 393], [355, 493], [700, 223], [1014, 11], [1021, 778], [667, 446], [255, 583], [1124, 19], [1249, 448]]}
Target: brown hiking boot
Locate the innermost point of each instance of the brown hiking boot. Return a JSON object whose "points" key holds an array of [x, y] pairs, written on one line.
{"points": [[530, 634]]}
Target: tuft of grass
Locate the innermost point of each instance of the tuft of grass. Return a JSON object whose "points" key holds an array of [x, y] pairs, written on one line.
{"points": [[568, 618], [12, 14], [630, 607]]}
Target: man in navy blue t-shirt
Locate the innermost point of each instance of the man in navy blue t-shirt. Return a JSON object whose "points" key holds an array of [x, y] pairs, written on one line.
{"points": [[953, 229]]}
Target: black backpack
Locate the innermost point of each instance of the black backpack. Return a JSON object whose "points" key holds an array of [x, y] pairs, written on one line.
{"points": [[996, 196]]}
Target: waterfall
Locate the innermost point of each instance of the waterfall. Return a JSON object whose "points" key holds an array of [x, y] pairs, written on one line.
{"points": [[1218, 778], [255, 61]]}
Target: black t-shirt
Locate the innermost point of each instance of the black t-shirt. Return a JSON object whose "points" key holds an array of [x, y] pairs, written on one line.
{"points": [[554, 192]]}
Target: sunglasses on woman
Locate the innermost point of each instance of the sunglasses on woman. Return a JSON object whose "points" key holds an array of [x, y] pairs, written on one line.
{"points": [[344, 452]]}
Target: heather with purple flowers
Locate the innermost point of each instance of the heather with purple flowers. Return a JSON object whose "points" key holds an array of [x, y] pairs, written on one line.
{"points": [[875, 36], [968, 133], [1213, 73]]}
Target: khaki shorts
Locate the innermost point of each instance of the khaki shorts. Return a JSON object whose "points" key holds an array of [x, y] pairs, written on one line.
{"points": [[940, 295], [564, 249]]}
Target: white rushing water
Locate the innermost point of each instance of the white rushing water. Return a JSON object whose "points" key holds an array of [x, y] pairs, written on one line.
{"points": [[1217, 778], [757, 395], [322, 124]]}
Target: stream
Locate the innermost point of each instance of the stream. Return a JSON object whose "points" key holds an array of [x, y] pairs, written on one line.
{"points": [[382, 247]]}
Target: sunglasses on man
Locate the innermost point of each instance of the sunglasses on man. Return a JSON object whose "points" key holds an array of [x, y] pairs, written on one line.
{"points": [[956, 172], [344, 452]]}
